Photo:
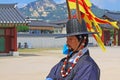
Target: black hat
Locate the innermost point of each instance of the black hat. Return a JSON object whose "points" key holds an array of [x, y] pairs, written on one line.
{"points": [[73, 27]]}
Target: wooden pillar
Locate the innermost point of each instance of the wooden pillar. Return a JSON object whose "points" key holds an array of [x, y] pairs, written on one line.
{"points": [[7, 40], [106, 36], [114, 37], [119, 37], [15, 39], [102, 38]]}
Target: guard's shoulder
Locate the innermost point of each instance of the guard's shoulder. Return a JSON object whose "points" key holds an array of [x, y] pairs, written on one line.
{"points": [[62, 60]]}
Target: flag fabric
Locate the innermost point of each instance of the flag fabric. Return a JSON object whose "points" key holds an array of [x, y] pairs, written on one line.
{"points": [[90, 18], [72, 4]]}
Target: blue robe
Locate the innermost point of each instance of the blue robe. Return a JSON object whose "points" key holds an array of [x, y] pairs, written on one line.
{"points": [[85, 69]]}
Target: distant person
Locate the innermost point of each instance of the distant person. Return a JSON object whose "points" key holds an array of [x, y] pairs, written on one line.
{"points": [[25, 45], [77, 65], [19, 45], [107, 43], [110, 42]]}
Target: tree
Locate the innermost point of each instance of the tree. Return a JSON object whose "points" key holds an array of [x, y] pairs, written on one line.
{"points": [[22, 28]]}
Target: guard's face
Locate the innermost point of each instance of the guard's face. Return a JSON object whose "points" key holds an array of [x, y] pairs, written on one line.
{"points": [[72, 42]]}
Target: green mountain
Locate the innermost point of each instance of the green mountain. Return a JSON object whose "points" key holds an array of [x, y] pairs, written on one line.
{"points": [[51, 11]]}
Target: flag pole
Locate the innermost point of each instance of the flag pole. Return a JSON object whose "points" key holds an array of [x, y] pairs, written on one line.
{"points": [[78, 12], [69, 11]]}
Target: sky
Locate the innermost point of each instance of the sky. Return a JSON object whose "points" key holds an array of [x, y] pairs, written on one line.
{"points": [[113, 5]]}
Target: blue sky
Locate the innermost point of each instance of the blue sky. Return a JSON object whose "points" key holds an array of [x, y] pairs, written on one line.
{"points": [[113, 5]]}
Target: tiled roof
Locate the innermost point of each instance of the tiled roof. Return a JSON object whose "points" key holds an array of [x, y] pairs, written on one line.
{"points": [[107, 26], [36, 23], [113, 15], [10, 14], [60, 22]]}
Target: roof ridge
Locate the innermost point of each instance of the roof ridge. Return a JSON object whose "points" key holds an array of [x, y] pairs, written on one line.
{"points": [[113, 12], [12, 5]]}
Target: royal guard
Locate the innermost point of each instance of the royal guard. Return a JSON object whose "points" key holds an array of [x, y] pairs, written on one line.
{"points": [[78, 64]]}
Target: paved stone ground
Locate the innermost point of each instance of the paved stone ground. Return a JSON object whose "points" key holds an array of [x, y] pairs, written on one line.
{"points": [[35, 66]]}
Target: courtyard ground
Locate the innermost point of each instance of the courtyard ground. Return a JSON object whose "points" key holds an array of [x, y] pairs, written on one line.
{"points": [[35, 64]]}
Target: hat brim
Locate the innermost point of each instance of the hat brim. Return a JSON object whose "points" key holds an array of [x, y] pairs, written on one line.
{"points": [[73, 34]]}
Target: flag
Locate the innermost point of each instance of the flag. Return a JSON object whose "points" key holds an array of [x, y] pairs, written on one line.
{"points": [[72, 4], [90, 18]]}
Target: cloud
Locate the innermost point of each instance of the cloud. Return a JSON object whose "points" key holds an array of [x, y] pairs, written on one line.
{"points": [[60, 1], [99, 3], [20, 5]]}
